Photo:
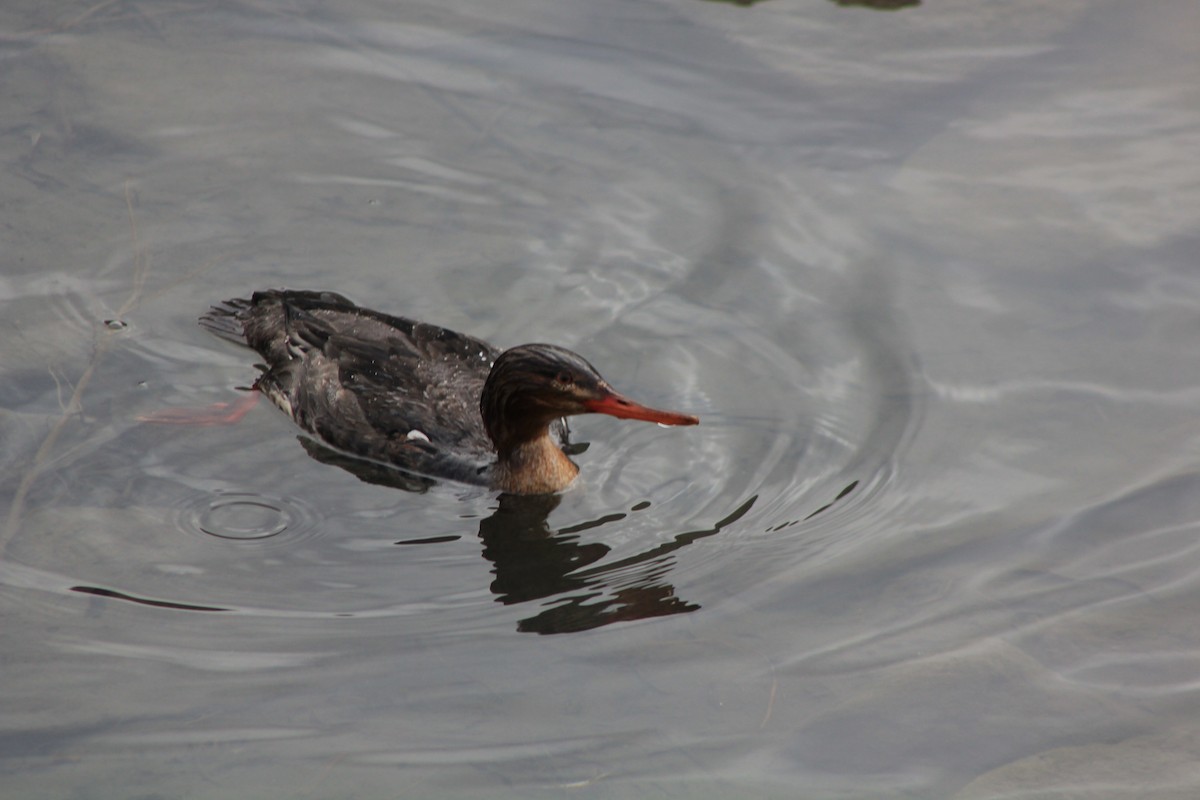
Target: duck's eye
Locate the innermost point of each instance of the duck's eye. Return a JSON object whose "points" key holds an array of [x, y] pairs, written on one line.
{"points": [[564, 379]]}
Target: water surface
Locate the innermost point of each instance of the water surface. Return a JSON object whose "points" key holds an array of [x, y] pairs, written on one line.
{"points": [[927, 275]]}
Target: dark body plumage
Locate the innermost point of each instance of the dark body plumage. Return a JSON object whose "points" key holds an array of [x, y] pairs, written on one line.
{"points": [[409, 394]]}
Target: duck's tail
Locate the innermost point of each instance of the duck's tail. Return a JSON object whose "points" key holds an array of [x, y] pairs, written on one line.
{"points": [[227, 320]]}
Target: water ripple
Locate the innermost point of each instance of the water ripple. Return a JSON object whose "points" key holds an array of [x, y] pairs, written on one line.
{"points": [[248, 516]]}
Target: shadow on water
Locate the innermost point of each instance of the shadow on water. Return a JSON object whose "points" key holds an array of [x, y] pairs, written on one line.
{"points": [[880, 5], [113, 594], [532, 561]]}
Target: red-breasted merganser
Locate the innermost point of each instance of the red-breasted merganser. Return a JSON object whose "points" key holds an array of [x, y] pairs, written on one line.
{"points": [[420, 397]]}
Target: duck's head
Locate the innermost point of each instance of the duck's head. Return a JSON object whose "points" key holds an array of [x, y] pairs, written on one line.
{"points": [[532, 385]]}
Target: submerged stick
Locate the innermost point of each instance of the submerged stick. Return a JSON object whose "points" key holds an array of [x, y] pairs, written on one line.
{"points": [[74, 404]]}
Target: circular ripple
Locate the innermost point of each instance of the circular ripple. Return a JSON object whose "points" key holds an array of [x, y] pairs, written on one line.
{"points": [[247, 516], [243, 518]]}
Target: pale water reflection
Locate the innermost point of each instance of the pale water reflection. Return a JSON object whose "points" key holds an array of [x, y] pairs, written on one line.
{"points": [[928, 277]]}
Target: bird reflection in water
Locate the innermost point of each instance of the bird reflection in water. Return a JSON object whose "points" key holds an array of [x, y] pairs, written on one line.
{"points": [[532, 562]]}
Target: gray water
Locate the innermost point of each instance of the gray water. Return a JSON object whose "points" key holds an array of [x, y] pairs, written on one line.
{"points": [[929, 276]]}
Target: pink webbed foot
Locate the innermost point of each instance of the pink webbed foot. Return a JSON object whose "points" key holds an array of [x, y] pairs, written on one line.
{"points": [[216, 414]]}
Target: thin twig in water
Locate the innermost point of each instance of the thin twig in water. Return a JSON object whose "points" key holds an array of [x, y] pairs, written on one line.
{"points": [[59, 380], [83, 16], [770, 701], [74, 405]]}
